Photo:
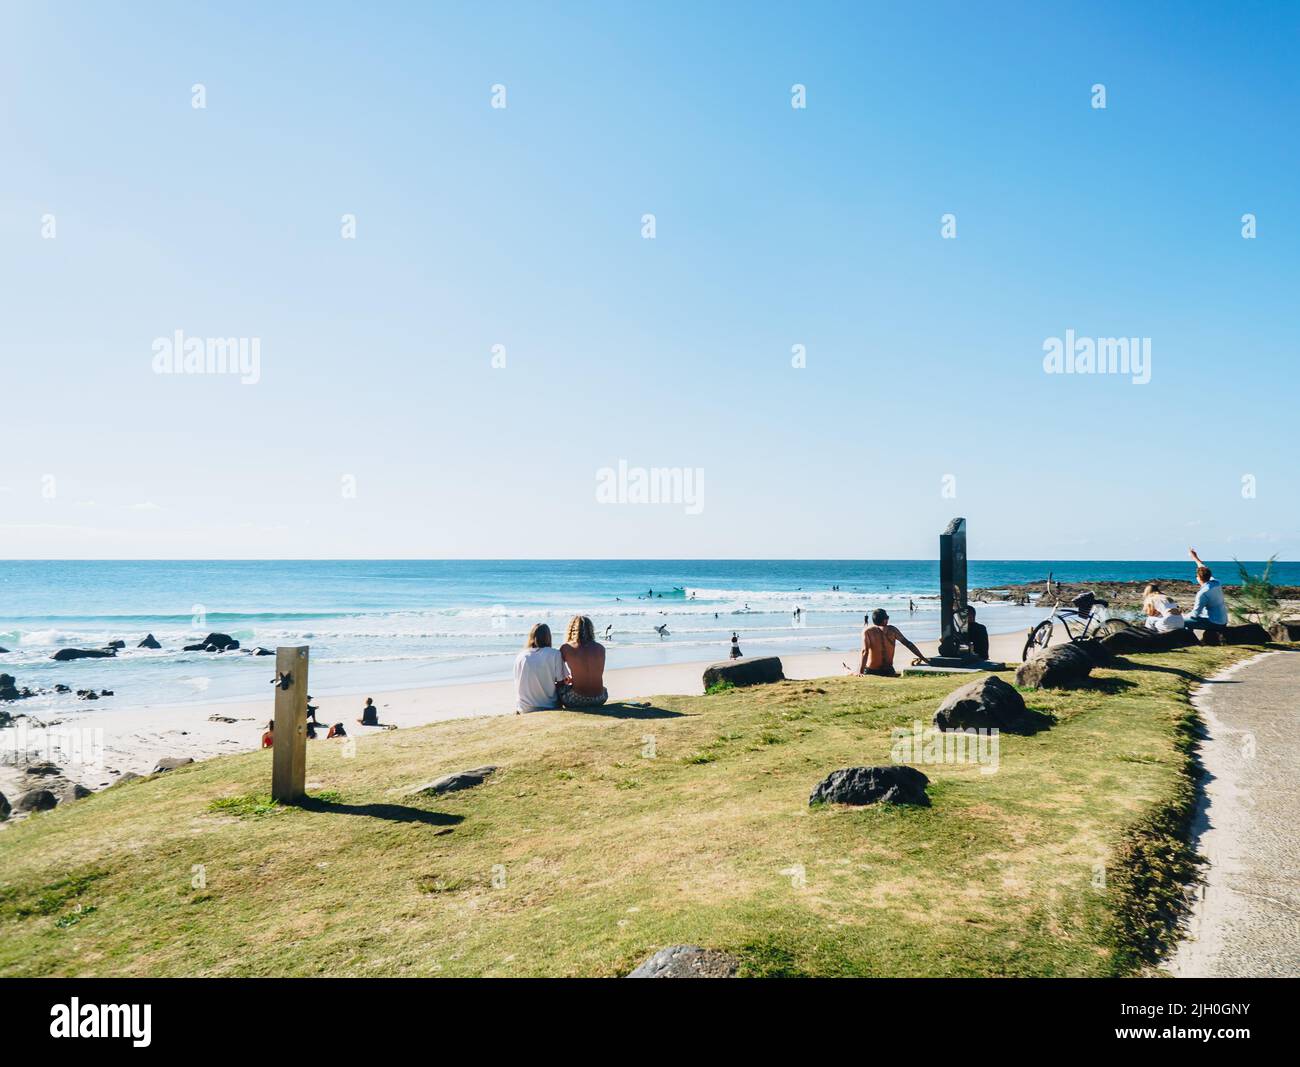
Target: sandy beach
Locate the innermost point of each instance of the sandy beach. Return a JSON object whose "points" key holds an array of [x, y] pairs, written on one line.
{"points": [[133, 740]]}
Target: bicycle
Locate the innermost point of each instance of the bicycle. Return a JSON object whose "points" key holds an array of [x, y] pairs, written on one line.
{"points": [[1083, 607]]}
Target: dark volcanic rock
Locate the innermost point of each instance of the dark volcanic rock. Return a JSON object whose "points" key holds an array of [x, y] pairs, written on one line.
{"points": [[260, 651], [1123, 639], [43, 770], [37, 800], [65, 654], [61, 688], [1095, 650], [149, 642], [988, 704], [87, 694], [1247, 633], [688, 961], [450, 783], [1057, 667], [214, 643], [5, 807], [1286, 630], [116, 644], [72, 791], [748, 670], [9, 687], [4, 652], [170, 763], [869, 785]]}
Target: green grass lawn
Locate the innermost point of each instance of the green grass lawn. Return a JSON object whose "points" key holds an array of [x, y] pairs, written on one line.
{"points": [[602, 838]]}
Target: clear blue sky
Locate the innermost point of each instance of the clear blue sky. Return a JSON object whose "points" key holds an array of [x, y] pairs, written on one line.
{"points": [[522, 227]]}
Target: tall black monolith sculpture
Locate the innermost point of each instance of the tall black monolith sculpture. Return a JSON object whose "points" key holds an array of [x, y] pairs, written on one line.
{"points": [[952, 589]]}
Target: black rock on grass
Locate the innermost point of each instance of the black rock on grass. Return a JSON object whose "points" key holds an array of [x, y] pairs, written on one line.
{"points": [[872, 785]]}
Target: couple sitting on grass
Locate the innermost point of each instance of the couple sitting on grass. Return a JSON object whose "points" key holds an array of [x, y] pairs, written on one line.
{"points": [[1209, 612], [570, 677]]}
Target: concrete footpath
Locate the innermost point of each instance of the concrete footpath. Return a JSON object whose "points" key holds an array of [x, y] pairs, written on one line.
{"points": [[1246, 922]]}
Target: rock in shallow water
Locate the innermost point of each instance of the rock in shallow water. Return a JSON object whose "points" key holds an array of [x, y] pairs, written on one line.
{"points": [[65, 654], [214, 642]]}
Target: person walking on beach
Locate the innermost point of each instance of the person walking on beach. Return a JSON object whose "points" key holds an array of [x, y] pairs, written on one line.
{"points": [[539, 670], [879, 637], [735, 645], [584, 656], [1210, 610]]}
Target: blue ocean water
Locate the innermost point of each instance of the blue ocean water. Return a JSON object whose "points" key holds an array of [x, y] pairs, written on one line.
{"points": [[383, 625]]}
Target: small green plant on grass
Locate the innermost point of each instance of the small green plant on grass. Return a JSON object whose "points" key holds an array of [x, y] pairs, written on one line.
{"points": [[249, 806], [49, 898], [74, 916], [436, 883], [257, 805], [719, 687]]}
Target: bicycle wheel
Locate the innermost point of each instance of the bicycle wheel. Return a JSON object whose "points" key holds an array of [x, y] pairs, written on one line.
{"points": [[1039, 637]]}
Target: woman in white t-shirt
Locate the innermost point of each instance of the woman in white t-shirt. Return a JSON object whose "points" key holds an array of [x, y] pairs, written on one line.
{"points": [[539, 668], [1162, 613]]}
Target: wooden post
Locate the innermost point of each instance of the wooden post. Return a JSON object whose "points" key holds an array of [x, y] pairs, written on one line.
{"points": [[289, 752]]}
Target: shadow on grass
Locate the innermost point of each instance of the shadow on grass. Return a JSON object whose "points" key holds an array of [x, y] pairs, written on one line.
{"points": [[1109, 686], [628, 711], [1032, 722], [388, 812], [1121, 663]]}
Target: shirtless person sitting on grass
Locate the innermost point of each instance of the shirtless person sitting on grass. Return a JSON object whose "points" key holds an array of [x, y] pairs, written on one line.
{"points": [[584, 657], [878, 640]]}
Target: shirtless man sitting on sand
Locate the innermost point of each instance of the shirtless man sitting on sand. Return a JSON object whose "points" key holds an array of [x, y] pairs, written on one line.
{"points": [[878, 640], [584, 657]]}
